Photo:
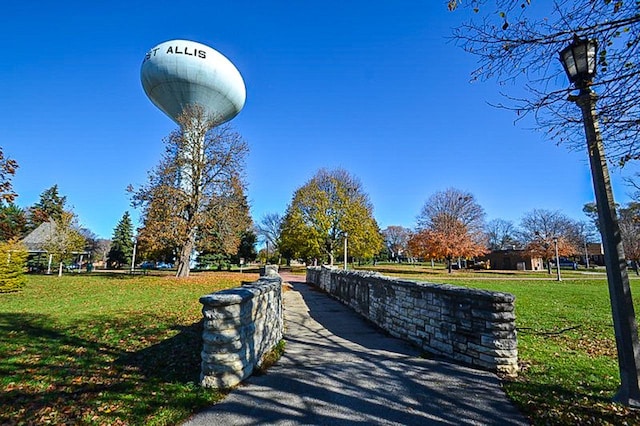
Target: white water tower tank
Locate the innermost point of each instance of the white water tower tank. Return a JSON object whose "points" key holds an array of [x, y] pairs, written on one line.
{"points": [[178, 73]]}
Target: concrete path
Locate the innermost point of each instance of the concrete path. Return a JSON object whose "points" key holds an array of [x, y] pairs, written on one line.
{"points": [[339, 370]]}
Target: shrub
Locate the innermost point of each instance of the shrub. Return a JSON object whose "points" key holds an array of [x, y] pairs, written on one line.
{"points": [[12, 276]]}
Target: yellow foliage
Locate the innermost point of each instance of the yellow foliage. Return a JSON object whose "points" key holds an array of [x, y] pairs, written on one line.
{"points": [[13, 259]]}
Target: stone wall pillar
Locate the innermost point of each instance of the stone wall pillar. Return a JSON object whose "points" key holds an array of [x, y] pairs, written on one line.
{"points": [[240, 326]]}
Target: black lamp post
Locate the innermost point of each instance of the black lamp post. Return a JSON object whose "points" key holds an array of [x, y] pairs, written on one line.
{"points": [[579, 61]]}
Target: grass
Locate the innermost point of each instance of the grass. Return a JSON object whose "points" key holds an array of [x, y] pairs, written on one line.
{"points": [[121, 349], [569, 369], [271, 357], [100, 349]]}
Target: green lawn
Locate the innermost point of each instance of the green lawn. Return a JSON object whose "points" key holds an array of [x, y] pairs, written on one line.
{"points": [[565, 340], [100, 349], [104, 349]]}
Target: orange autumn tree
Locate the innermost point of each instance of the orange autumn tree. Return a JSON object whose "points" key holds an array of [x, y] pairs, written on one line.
{"points": [[194, 198], [450, 225]]}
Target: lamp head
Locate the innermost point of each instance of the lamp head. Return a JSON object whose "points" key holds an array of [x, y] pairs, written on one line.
{"points": [[579, 60]]}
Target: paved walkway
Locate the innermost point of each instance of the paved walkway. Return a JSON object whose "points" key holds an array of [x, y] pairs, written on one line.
{"points": [[339, 370]]}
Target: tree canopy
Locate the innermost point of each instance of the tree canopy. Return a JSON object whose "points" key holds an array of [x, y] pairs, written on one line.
{"points": [[51, 205], [518, 42], [8, 169], [501, 234], [450, 224], [195, 198], [66, 241], [541, 230], [396, 239], [13, 222], [269, 229], [332, 205], [630, 229], [121, 250]]}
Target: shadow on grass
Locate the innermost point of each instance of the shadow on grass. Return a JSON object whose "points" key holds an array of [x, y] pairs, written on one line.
{"points": [[98, 370], [176, 359], [548, 403]]}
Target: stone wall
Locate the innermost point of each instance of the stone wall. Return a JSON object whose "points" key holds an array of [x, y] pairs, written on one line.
{"points": [[240, 326], [475, 327]]}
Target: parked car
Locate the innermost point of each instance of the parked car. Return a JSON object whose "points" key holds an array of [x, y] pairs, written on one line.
{"points": [[567, 264]]}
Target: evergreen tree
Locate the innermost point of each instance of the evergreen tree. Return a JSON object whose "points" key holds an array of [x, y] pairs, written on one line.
{"points": [[50, 206], [247, 248], [13, 222], [122, 243]]}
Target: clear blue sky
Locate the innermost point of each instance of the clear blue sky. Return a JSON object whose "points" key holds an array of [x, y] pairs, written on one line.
{"points": [[373, 87]]}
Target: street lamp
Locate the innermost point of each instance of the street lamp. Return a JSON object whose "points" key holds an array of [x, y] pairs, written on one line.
{"points": [[555, 243], [579, 62]]}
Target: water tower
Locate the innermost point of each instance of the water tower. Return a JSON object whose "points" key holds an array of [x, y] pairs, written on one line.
{"points": [[179, 73]]}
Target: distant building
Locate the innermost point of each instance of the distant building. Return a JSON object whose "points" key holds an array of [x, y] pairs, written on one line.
{"points": [[596, 253], [515, 259]]}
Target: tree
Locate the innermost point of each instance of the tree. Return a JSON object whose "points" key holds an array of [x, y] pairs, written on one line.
{"points": [[581, 233], [65, 241], [100, 250], [14, 259], [396, 239], [539, 228], [8, 169], [269, 229], [197, 180], [121, 250], [50, 206], [230, 220], [501, 234], [591, 211], [97, 248], [519, 42], [332, 205], [13, 222], [450, 224], [247, 247], [629, 222]]}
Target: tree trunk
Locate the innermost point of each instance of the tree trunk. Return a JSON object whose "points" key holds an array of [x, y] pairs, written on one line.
{"points": [[449, 268], [548, 266], [185, 259], [60, 270]]}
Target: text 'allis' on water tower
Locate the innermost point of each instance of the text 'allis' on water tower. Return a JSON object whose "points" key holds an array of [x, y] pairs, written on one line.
{"points": [[180, 73]]}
